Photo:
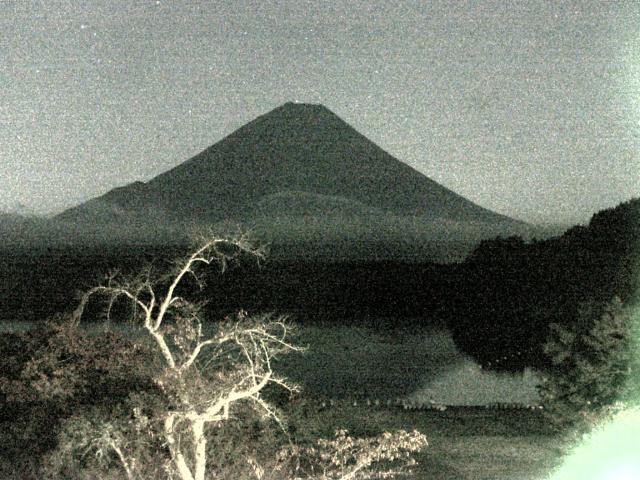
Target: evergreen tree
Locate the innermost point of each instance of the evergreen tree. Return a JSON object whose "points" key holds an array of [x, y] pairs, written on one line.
{"points": [[590, 361]]}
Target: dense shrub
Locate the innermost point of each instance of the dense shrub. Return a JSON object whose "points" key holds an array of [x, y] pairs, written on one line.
{"points": [[590, 364], [55, 370]]}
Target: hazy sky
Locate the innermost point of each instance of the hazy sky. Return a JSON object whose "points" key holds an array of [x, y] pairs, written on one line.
{"points": [[529, 108]]}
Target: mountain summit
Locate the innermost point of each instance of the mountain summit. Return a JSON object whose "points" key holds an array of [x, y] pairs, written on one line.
{"points": [[295, 158]]}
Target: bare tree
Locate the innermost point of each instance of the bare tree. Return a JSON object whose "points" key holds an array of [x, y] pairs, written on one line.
{"points": [[202, 376]]}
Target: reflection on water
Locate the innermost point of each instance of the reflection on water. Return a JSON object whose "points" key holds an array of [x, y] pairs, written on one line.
{"points": [[345, 361], [465, 383]]}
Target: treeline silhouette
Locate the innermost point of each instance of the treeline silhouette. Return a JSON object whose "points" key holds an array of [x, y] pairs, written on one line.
{"points": [[498, 303], [38, 283], [508, 291]]}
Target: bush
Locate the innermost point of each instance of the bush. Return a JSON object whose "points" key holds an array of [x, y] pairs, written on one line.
{"points": [[345, 457], [590, 362], [55, 370]]}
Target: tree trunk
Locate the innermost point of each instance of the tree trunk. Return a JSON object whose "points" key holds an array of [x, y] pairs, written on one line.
{"points": [[200, 449], [176, 455]]}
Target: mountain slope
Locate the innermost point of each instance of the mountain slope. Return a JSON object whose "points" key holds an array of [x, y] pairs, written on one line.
{"points": [[294, 148]]}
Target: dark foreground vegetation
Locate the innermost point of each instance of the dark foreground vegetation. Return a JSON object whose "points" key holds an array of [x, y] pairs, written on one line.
{"points": [[73, 405]]}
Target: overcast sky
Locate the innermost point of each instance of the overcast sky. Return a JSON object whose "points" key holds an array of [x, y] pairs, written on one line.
{"points": [[529, 108]]}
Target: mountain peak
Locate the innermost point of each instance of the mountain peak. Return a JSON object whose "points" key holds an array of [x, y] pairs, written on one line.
{"points": [[308, 123], [302, 105], [304, 110], [296, 147]]}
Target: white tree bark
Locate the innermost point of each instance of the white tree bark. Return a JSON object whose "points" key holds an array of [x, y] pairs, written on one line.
{"points": [[177, 456], [256, 342], [200, 448]]}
